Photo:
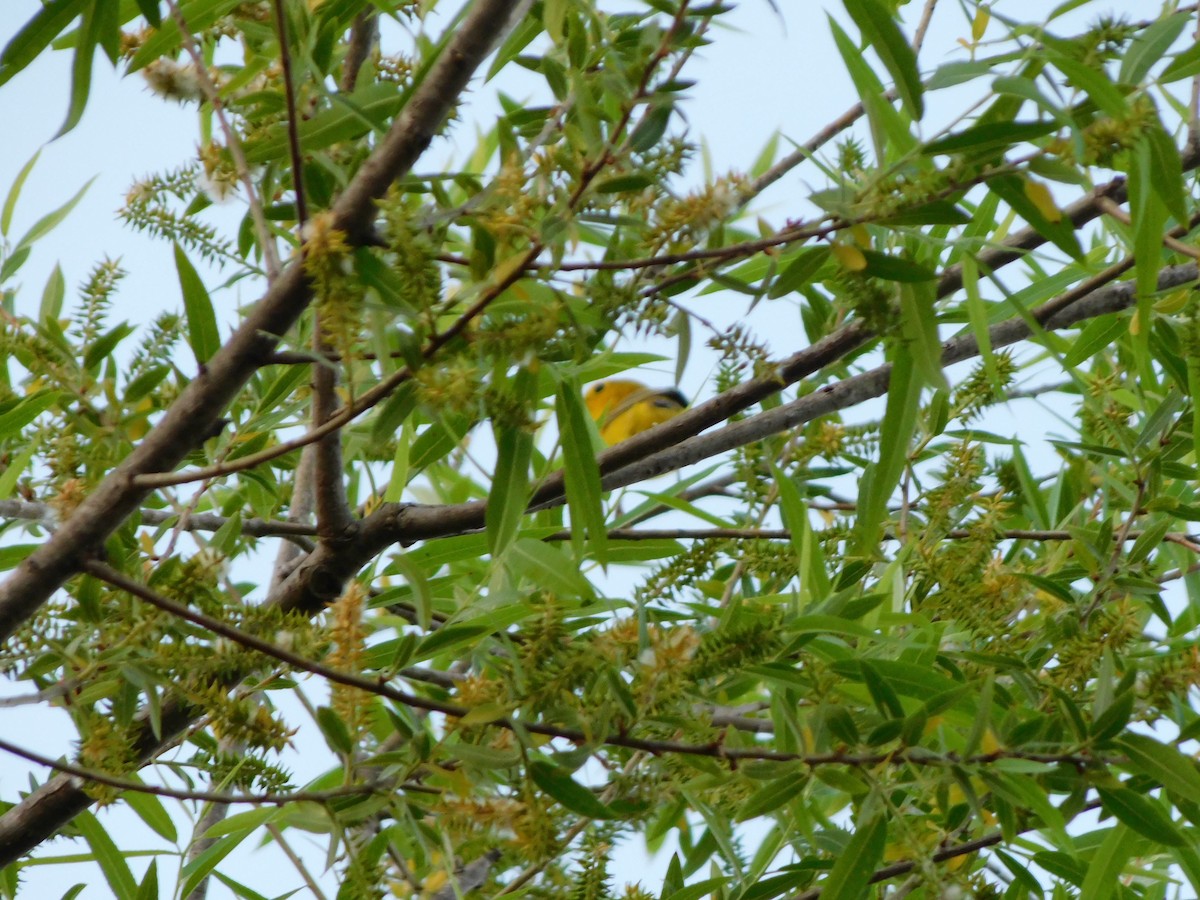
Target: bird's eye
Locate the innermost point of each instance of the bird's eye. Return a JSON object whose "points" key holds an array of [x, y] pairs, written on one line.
{"points": [[597, 388]]}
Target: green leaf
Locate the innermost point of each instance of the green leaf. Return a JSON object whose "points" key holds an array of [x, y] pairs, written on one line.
{"points": [[150, 810], [14, 470], [879, 29], [447, 637], [548, 567], [710, 886], [199, 15], [1141, 813], [799, 271], [1171, 768], [509, 494], [90, 34], [12, 555], [1114, 717], [584, 494], [1093, 81], [1149, 216], [337, 735], [26, 410], [990, 137], [52, 295], [1108, 862], [1011, 189], [110, 859], [854, 866], [1189, 861], [895, 268], [28, 43], [772, 795], [10, 202], [199, 868], [880, 479], [1096, 335], [887, 125], [201, 320], [1185, 64], [1149, 46], [919, 328], [102, 347], [368, 109], [148, 889], [149, 9], [939, 212], [48, 222], [651, 128], [1166, 170], [560, 786], [886, 700]]}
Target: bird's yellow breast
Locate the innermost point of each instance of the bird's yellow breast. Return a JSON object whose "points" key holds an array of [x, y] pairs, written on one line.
{"points": [[624, 408]]}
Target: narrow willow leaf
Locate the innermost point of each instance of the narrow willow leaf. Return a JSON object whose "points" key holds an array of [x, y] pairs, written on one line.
{"points": [[582, 475], [880, 479], [199, 868], [1141, 813], [977, 315], [25, 411], [990, 138], [1011, 189], [367, 109], [548, 567], [149, 9], [1104, 874], [895, 268], [90, 34], [560, 786], [1149, 46], [1189, 861], [1093, 81], [854, 866], [799, 272], [708, 887], [1149, 216], [10, 202], [509, 494], [918, 326], [111, 860], [1039, 195], [880, 30], [150, 810], [52, 295], [939, 212], [28, 43], [1167, 765], [1166, 170], [1185, 64], [772, 795], [199, 14], [48, 222], [198, 308], [888, 127], [148, 889]]}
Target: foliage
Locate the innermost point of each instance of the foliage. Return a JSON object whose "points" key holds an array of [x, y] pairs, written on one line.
{"points": [[850, 648]]}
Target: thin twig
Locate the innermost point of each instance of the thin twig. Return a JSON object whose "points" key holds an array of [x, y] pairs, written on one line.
{"points": [[270, 798]]}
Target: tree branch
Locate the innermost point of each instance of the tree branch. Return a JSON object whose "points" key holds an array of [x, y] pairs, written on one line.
{"points": [[206, 397]]}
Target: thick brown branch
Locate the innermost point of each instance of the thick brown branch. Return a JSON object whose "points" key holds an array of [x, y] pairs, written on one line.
{"points": [[206, 397]]}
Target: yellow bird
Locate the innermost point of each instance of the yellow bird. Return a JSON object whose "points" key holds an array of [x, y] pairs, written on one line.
{"points": [[624, 408]]}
